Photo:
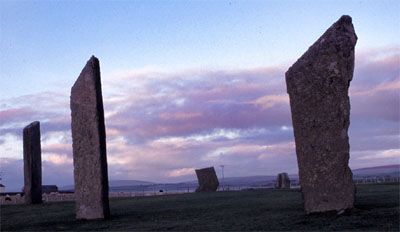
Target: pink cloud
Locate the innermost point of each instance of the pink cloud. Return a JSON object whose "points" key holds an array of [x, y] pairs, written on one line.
{"points": [[372, 69], [57, 159], [181, 172], [58, 148], [161, 125], [391, 153], [268, 101], [226, 100], [16, 115]]}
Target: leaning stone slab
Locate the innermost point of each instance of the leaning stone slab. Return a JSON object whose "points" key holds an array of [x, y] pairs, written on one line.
{"points": [[89, 144], [208, 180], [282, 181], [318, 86], [32, 164]]}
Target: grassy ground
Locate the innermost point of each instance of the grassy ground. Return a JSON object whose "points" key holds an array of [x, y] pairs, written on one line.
{"points": [[377, 208]]}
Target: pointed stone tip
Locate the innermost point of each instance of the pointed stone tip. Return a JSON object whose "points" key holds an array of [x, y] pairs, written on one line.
{"points": [[33, 124], [345, 19], [92, 63], [91, 71], [344, 24], [93, 59]]}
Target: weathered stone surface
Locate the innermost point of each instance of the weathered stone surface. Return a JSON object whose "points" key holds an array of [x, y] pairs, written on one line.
{"points": [[282, 181], [208, 180], [32, 164], [89, 144], [318, 89]]}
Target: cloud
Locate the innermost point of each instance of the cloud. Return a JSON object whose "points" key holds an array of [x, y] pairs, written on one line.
{"points": [[57, 159], [202, 102], [268, 101], [15, 114], [379, 102], [392, 153], [50, 108], [12, 173], [11, 146], [375, 87], [181, 172], [58, 148], [161, 125]]}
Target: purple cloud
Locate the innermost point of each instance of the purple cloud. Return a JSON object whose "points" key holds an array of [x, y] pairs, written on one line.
{"points": [[205, 101], [161, 126], [16, 114]]}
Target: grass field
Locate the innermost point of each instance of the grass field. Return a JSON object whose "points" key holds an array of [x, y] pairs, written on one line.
{"points": [[376, 208]]}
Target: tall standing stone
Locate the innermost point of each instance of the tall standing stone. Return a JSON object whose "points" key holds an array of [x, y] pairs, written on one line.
{"points": [[318, 86], [208, 180], [32, 164], [282, 181], [89, 144]]}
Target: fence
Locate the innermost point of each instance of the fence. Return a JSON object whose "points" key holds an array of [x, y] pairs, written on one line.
{"points": [[141, 191]]}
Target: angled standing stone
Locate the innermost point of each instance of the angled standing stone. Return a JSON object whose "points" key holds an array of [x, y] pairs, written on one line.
{"points": [[282, 181], [89, 144], [32, 164], [208, 180], [318, 86]]}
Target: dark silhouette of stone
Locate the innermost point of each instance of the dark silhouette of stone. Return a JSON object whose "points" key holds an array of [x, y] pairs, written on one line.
{"points": [[282, 181], [32, 164], [208, 180], [318, 89], [89, 144]]}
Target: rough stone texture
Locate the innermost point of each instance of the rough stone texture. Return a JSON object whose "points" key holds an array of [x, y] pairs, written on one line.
{"points": [[208, 180], [318, 89], [89, 144], [32, 164], [282, 181]]}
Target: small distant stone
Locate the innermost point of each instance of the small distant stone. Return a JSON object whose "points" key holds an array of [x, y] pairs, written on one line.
{"points": [[208, 180], [282, 181]]}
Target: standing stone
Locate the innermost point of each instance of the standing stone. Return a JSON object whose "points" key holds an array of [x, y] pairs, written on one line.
{"points": [[89, 144], [282, 181], [318, 86], [32, 164], [208, 180]]}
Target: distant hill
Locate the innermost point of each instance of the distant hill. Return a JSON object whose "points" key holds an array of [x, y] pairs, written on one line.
{"points": [[117, 184], [378, 170], [244, 180], [264, 180]]}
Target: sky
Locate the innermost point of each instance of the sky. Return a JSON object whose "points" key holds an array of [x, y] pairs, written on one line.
{"points": [[188, 84]]}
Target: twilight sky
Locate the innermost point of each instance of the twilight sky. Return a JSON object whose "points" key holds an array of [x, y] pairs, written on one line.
{"points": [[188, 84]]}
